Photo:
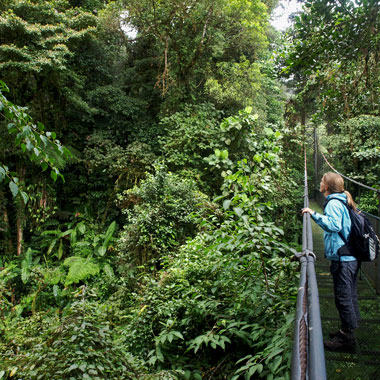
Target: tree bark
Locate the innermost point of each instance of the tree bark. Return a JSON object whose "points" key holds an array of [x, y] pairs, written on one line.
{"points": [[7, 231], [20, 235], [20, 214]]}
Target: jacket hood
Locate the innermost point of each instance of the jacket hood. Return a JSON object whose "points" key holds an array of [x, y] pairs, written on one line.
{"points": [[341, 196]]}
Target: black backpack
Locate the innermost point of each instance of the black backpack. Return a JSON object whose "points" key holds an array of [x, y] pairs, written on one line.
{"points": [[362, 241]]}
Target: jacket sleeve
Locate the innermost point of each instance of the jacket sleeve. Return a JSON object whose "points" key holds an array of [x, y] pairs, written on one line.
{"points": [[331, 221]]}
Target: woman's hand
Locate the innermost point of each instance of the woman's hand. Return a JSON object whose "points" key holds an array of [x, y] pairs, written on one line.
{"points": [[307, 209]]}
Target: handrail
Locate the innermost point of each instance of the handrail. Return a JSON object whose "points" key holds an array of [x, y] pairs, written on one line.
{"points": [[308, 356]]}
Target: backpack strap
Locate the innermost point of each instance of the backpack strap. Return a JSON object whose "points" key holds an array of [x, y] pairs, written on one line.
{"points": [[342, 237]]}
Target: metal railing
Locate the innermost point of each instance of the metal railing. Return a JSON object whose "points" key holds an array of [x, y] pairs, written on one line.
{"points": [[308, 356]]}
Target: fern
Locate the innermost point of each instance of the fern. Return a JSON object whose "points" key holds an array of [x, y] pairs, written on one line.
{"points": [[53, 276], [80, 268]]}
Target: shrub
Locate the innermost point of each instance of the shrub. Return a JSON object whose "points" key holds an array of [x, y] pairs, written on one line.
{"points": [[159, 216], [188, 137], [79, 346]]}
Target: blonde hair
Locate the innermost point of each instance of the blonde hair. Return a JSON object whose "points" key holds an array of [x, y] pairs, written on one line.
{"points": [[335, 184]]}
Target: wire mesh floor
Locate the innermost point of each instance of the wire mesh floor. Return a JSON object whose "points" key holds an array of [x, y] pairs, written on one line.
{"points": [[364, 364]]}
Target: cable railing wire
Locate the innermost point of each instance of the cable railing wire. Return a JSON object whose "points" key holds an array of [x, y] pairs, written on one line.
{"points": [[348, 178], [308, 357]]}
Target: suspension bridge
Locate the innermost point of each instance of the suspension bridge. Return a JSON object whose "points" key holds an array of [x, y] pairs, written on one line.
{"points": [[316, 313]]}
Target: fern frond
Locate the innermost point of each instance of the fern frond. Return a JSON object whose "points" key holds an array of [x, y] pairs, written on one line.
{"points": [[80, 268]]}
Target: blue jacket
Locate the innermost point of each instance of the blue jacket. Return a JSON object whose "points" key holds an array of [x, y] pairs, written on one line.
{"points": [[335, 218]]}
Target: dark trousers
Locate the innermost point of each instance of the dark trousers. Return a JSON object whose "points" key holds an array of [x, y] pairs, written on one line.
{"points": [[345, 275]]}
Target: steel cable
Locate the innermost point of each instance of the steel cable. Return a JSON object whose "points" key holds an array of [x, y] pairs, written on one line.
{"points": [[348, 178]]}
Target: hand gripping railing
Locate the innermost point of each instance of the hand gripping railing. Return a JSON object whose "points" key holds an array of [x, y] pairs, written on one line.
{"points": [[308, 357]]}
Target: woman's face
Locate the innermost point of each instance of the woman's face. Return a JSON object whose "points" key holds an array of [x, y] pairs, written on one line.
{"points": [[323, 187]]}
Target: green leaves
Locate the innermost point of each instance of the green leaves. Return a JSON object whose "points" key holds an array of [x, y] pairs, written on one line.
{"points": [[14, 188], [162, 218], [69, 347], [3, 88], [84, 240], [110, 231], [102, 250], [226, 290], [3, 172], [221, 154], [226, 204], [344, 87], [194, 33], [39, 36], [40, 147], [80, 268], [53, 175], [215, 340], [26, 265]]}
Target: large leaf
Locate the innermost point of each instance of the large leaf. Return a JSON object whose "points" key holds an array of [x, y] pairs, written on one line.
{"points": [[14, 188], [80, 268], [24, 271], [109, 233]]}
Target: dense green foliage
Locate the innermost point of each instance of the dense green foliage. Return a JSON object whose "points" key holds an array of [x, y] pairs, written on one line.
{"points": [[39, 145], [163, 253], [335, 54], [160, 218], [80, 345], [220, 300], [213, 309], [332, 58], [356, 152]]}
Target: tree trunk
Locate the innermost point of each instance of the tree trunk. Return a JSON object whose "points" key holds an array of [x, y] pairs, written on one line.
{"points": [[303, 115], [20, 234], [20, 205], [7, 231]]}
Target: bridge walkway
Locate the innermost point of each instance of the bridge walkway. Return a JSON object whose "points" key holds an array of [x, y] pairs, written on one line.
{"points": [[364, 364]]}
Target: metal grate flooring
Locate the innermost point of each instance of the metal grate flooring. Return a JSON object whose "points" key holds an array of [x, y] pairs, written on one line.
{"points": [[364, 364]]}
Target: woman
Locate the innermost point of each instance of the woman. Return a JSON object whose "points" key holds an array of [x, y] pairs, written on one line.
{"points": [[336, 224]]}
